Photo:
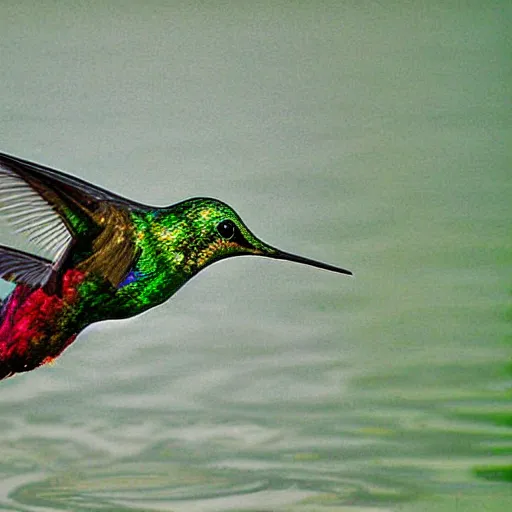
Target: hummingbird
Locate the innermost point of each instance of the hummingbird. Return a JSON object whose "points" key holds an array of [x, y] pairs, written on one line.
{"points": [[104, 257]]}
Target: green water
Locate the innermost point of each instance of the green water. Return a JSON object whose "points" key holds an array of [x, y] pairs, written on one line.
{"points": [[372, 136]]}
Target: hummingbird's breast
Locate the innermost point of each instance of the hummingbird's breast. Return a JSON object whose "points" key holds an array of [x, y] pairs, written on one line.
{"points": [[36, 326]]}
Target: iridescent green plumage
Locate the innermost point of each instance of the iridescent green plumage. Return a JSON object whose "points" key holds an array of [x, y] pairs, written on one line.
{"points": [[112, 258]]}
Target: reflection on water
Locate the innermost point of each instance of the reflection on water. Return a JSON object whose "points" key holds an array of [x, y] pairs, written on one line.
{"points": [[370, 137]]}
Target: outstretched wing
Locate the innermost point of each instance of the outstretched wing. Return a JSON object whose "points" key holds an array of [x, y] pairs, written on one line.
{"points": [[58, 211]]}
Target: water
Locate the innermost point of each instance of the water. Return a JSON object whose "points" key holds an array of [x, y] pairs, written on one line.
{"points": [[371, 136]]}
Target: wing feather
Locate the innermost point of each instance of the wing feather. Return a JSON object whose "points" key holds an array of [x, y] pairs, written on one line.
{"points": [[27, 212], [55, 210], [23, 268]]}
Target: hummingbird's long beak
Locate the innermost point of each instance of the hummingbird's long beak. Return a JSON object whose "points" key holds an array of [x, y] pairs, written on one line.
{"points": [[281, 255]]}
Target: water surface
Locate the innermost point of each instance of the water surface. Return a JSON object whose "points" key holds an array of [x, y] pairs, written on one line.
{"points": [[371, 136]]}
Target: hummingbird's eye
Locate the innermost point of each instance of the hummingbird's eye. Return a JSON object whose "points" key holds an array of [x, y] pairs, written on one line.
{"points": [[226, 229]]}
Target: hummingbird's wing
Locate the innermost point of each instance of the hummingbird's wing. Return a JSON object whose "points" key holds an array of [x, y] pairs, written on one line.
{"points": [[23, 268], [58, 211]]}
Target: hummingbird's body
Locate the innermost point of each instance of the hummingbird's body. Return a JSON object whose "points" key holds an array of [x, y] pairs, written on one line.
{"points": [[111, 257]]}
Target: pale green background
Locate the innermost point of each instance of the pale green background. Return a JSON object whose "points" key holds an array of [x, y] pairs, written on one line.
{"points": [[373, 135]]}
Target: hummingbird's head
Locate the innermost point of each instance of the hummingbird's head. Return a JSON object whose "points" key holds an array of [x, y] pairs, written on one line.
{"points": [[202, 231]]}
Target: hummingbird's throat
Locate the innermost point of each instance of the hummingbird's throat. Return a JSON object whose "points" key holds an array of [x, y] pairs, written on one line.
{"points": [[215, 251]]}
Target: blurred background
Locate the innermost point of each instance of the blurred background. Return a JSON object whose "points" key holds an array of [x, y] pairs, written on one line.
{"points": [[371, 135]]}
